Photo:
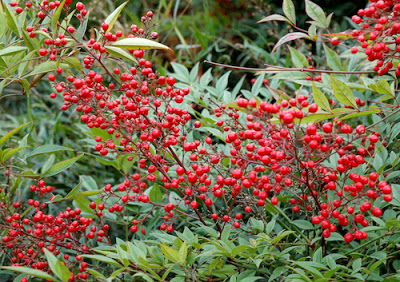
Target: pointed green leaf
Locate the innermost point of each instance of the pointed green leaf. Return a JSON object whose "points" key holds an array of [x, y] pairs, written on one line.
{"points": [[12, 20], [58, 268], [103, 259], [370, 111], [169, 253], [383, 87], [332, 59], [11, 50], [47, 149], [61, 166], [11, 153], [56, 17], [274, 17], [298, 59], [289, 37], [343, 93], [289, 10], [138, 43], [112, 18], [183, 250], [11, 133], [120, 53], [316, 13], [320, 98], [30, 271]]}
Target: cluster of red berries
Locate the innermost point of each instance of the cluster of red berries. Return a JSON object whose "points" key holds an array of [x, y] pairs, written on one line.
{"points": [[378, 34], [30, 233]]}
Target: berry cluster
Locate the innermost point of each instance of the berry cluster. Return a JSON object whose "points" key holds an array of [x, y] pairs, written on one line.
{"points": [[378, 34], [29, 233]]}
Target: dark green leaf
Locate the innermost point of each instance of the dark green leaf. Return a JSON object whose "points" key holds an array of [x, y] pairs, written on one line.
{"points": [[61, 166]]}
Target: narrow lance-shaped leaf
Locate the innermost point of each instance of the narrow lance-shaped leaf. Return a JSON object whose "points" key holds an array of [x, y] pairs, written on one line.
{"points": [[11, 50], [120, 53], [30, 271], [274, 17], [332, 59], [11, 133], [343, 93], [138, 43], [289, 10], [316, 13], [112, 18], [11, 20], [298, 59], [320, 98], [61, 166], [289, 37], [56, 17]]}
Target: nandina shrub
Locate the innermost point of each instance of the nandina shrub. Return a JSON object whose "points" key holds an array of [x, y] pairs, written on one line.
{"points": [[278, 150]]}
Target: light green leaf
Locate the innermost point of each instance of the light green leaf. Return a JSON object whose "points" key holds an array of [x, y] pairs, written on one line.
{"points": [[169, 253], [11, 133], [12, 20], [30, 271], [316, 13], [303, 224], [11, 50], [112, 18], [320, 98], [383, 87], [103, 259], [120, 53], [298, 59], [343, 93], [56, 17], [73, 62], [182, 254], [61, 166], [11, 153], [289, 37], [332, 59], [274, 17], [289, 10], [370, 111], [58, 268], [46, 67], [47, 149], [138, 43], [155, 194]]}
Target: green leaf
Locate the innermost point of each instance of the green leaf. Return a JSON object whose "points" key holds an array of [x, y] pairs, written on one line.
{"points": [[255, 89], [11, 50], [61, 166], [138, 43], [320, 99], [102, 259], [182, 254], [11, 153], [303, 224], [12, 20], [155, 194], [83, 194], [11, 133], [30, 271], [46, 67], [56, 17], [298, 59], [120, 53], [316, 13], [289, 37], [343, 93], [289, 11], [383, 87], [73, 62], [169, 253], [332, 59], [47, 149], [112, 18], [58, 268], [370, 111], [274, 17]]}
